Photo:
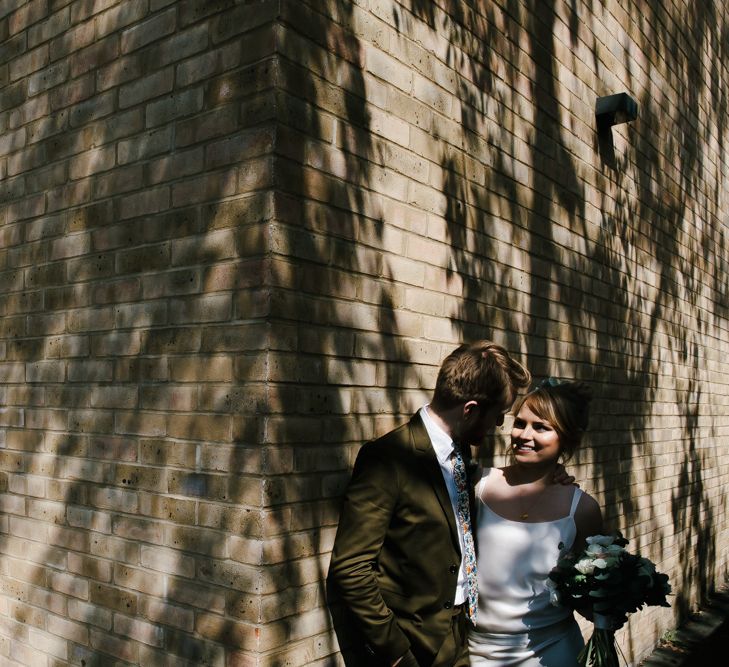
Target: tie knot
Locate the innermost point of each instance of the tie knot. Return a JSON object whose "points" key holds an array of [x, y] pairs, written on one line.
{"points": [[463, 450]]}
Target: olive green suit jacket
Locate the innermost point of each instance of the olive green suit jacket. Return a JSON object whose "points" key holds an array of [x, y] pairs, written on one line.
{"points": [[396, 554]]}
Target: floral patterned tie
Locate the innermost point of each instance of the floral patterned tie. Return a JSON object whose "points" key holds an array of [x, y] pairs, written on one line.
{"points": [[464, 519]]}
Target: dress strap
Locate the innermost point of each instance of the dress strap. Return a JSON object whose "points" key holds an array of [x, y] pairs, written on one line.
{"points": [[575, 500], [481, 484]]}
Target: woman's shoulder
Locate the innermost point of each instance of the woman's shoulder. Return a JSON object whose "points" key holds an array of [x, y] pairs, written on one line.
{"points": [[493, 486], [487, 473], [586, 502], [587, 512], [491, 473]]}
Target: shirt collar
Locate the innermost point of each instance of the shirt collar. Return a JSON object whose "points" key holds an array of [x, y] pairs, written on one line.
{"points": [[441, 441]]}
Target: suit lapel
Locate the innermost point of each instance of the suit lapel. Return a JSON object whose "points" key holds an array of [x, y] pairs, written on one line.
{"points": [[432, 472]]}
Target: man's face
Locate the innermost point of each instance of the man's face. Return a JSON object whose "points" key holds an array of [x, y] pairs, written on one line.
{"points": [[478, 421]]}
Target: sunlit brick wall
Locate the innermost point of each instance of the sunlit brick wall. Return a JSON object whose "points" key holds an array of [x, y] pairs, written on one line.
{"points": [[441, 178], [238, 237], [136, 163]]}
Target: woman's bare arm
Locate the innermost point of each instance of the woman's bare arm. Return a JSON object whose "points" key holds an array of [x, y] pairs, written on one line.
{"points": [[588, 519]]}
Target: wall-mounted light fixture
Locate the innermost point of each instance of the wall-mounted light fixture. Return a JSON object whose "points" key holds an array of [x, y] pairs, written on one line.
{"points": [[615, 109]]}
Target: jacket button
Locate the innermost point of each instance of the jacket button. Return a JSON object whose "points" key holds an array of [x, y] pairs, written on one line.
{"points": [[452, 569], [447, 605]]}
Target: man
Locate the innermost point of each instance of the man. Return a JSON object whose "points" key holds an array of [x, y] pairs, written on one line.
{"points": [[403, 556]]}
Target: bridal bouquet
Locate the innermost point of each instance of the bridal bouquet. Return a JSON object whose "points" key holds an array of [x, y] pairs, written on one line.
{"points": [[606, 583]]}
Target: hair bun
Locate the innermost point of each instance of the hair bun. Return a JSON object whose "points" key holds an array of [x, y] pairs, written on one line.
{"points": [[580, 394], [575, 389], [581, 391]]}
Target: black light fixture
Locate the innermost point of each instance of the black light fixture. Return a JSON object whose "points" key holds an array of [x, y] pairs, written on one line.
{"points": [[615, 109]]}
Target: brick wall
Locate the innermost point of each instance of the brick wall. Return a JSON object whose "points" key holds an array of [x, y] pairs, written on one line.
{"points": [[237, 239]]}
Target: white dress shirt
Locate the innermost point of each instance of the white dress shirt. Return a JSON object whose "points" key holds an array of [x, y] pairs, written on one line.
{"points": [[444, 450]]}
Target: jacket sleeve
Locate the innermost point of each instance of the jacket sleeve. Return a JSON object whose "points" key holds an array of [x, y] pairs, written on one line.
{"points": [[369, 503]]}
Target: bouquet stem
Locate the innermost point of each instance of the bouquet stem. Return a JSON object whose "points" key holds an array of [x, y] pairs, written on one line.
{"points": [[600, 650]]}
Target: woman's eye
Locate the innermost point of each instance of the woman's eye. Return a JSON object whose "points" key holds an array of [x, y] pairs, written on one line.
{"points": [[518, 423]]}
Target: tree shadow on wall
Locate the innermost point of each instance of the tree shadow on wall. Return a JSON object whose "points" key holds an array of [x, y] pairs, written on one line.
{"points": [[336, 358], [139, 495], [209, 528], [260, 465], [574, 297], [688, 198]]}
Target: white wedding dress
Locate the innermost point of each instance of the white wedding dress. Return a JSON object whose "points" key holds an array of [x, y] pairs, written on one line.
{"points": [[517, 625]]}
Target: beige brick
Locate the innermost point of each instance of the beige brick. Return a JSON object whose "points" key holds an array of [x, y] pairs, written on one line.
{"points": [[239, 520], [70, 585], [149, 144], [167, 452], [141, 34], [200, 427], [26, 614], [66, 629], [50, 512], [202, 369], [28, 529], [52, 602], [140, 580], [203, 309], [141, 369], [139, 630], [206, 188], [171, 166], [30, 62], [196, 540], [177, 398], [168, 560], [138, 529], [205, 65], [25, 655], [199, 596], [139, 477], [120, 648], [92, 568], [177, 510], [56, 646], [167, 614], [145, 203], [110, 498], [224, 630], [81, 517], [141, 423], [202, 128]]}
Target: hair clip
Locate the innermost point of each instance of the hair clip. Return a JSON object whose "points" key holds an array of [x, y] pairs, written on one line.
{"points": [[548, 382]]}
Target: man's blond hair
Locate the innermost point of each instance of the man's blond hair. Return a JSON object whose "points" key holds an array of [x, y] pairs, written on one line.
{"points": [[482, 371]]}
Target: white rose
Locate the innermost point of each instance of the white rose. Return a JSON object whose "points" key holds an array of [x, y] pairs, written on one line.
{"points": [[600, 562], [585, 566]]}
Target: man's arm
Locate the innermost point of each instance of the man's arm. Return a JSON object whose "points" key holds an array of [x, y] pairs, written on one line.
{"points": [[561, 476], [369, 503]]}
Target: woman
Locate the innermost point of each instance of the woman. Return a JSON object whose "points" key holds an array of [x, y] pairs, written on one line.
{"points": [[524, 520]]}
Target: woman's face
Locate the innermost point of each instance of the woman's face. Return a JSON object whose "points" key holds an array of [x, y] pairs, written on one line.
{"points": [[533, 439]]}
